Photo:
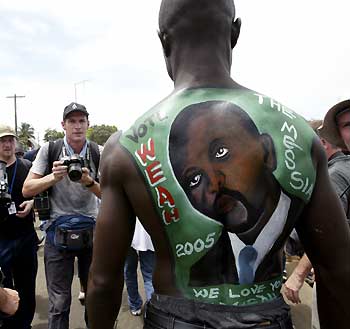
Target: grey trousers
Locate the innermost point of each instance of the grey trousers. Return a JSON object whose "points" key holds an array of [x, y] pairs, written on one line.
{"points": [[59, 271]]}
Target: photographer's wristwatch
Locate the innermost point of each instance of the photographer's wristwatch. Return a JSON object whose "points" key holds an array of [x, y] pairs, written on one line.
{"points": [[90, 184]]}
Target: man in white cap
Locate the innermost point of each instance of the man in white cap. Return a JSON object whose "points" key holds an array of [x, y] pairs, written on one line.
{"points": [[18, 239]]}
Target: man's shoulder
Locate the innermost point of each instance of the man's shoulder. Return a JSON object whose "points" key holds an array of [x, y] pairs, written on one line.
{"points": [[114, 159], [340, 165], [26, 163]]}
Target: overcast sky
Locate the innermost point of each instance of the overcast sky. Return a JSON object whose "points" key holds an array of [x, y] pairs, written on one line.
{"points": [[107, 54]]}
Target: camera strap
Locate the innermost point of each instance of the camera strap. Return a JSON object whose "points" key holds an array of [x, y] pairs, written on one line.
{"points": [[70, 151], [85, 152], [13, 177]]}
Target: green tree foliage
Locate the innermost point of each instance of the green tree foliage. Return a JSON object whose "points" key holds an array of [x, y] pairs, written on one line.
{"points": [[100, 133], [25, 134], [52, 135]]}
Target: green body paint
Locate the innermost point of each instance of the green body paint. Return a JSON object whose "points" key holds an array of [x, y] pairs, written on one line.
{"points": [[192, 234]]}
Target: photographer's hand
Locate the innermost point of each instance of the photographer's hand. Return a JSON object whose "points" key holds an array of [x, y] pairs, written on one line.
{"points": [[59, 170], [89, 182], [85, 178], [27, 206]]}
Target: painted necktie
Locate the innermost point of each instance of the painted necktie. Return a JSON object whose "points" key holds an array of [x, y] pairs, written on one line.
{"points": [[246, 259]]}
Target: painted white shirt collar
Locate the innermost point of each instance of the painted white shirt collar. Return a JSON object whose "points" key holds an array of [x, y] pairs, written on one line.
{"points": [[267, 236]]}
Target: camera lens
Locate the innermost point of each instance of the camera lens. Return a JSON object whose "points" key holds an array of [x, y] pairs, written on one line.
{"points": [[74, 172]]}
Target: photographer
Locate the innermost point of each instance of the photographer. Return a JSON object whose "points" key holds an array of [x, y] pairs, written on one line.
{"points": [[68, 170], [18, 239]]}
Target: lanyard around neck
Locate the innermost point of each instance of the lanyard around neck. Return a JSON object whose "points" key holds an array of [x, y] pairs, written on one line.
{"points": [[85, 155], [13, 177]]}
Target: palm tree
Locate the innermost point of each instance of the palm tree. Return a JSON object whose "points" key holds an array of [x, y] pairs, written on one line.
{"points": [[25, 135], [52, 135]]}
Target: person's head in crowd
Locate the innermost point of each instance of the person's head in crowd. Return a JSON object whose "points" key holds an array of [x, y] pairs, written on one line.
{"points": [[336, 125], [8, 140], [75, 122], [329, 147], [19, 151]]}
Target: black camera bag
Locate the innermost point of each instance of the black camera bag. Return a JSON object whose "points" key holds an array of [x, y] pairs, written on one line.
{"points": [[71, 232]]}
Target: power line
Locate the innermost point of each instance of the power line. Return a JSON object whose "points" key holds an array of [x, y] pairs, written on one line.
{"points": [[15, 101]]}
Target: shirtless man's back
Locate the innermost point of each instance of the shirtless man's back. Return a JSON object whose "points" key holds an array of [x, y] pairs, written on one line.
{"points": [[218, 175]]}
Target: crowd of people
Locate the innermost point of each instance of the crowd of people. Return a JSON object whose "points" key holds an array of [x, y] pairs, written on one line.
{"points": [[205, 198], [62, 185]]}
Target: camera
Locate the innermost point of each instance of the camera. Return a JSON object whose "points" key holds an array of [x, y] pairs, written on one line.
{"points": [[42, 205], [5, 196], [74, 163]]}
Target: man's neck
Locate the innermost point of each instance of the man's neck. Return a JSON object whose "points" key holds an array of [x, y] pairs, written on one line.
{"points": [[335, 154], [201, 68], [9, 160], [76, 146], [197, 78]]}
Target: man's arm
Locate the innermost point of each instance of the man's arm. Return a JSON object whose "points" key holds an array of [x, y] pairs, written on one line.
{"points": [[339, 177], [325, 235], [35, 183], [296, 280], [114, 231]]}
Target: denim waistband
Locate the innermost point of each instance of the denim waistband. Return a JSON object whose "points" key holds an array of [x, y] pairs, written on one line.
{"points": [[163, 320], [272, 313]]}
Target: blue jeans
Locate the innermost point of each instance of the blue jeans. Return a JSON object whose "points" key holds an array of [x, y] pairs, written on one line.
{"points": [[59, 271], [130, 274], [19, 262]]}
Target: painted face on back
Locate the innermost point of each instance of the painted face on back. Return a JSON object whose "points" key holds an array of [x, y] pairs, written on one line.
{"points": [[225, 168]]}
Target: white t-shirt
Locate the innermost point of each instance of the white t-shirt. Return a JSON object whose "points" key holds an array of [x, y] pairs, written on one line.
{"points": [[141, 240]]}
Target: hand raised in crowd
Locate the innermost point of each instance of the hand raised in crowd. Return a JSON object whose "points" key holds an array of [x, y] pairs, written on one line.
{"points": [[292, 287], [26, 206], [59, 170], [10, 301]]}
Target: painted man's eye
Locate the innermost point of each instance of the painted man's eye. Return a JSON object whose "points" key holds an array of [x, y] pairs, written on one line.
{"points": [[195, 180], [222, 151]]}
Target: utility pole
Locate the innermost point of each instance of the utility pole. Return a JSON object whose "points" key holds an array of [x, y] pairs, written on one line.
{"points": [[15, 100]]}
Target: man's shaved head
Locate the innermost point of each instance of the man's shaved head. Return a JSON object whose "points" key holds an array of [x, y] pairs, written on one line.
{"points": [[176, 16]]}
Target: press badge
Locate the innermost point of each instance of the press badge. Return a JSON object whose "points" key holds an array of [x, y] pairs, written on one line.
{"points": [[12, 209]]}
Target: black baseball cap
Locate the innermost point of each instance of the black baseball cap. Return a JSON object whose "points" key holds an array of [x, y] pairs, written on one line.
{"points": [[74, 107]]}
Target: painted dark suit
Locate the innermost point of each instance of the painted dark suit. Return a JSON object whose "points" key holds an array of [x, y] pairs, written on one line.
{"points": [[220, 175]]}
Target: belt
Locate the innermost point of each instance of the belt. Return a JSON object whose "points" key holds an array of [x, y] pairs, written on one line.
{"points": [[169, 321]]}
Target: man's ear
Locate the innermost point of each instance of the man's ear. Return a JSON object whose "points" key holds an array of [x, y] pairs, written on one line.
{"points": [[269, 151], [323, 142], [235, 31], [63, 125], [164, 39]]}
